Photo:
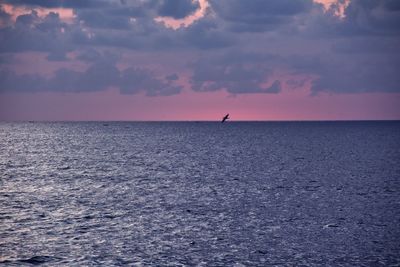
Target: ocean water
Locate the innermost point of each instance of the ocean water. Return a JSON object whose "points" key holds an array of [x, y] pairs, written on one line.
{"points": [[200, 194]]}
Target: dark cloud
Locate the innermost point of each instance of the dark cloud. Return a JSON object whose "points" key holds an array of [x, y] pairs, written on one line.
{"points": [[358, 74], [172, 77], [375, 17], [366, 75], [234, 73], [10, 81], [206, 34], [259, 11], [177, 9], [57, 55], [274, 88], [63, 3], [362, 18], [131, 27], [101, 19], [89, 55], [32, 33], [28, 19], [100, 75], [392, 5], [134, 80], [236, 46], [5, 18], [7, 58], [259, 15], [97, 77], [367, 45]]}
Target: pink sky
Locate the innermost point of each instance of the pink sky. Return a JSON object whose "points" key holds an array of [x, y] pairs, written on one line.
{"points": [[110, 105]]}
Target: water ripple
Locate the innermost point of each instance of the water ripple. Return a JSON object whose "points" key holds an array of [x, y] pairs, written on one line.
{"points": [[206, 194]]}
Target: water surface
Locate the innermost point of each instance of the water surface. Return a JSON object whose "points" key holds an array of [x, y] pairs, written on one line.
{"points": [[207, 194]]}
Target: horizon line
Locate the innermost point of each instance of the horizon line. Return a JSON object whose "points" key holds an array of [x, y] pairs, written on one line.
{"points": [[231, 121]]}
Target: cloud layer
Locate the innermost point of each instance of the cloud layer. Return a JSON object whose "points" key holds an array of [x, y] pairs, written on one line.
{"points": [[235, 45]]}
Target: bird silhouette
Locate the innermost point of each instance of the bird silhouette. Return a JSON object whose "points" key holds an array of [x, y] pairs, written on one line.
{"points": [[225, 118]]}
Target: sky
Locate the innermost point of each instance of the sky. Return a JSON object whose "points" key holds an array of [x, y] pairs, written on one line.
{"points": [[199, 59]]}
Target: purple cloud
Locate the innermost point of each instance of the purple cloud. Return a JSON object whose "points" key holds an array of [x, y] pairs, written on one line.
{"points": [[235, 46]]}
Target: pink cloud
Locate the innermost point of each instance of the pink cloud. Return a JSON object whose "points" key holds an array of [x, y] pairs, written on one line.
{"points": [[187, 21], [339, 6], [66, 14]]}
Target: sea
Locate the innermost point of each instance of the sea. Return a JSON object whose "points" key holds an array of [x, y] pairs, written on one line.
{"points": [[200, 193]]}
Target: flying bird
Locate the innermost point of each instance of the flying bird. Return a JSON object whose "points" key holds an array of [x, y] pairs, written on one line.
{"points": [[225, 118]]}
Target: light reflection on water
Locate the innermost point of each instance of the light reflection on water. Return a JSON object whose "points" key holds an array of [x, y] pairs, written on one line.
{"points": [[207, 194]]}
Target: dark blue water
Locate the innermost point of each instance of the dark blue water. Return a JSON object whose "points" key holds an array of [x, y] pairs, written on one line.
{"points": [[206, 194]]}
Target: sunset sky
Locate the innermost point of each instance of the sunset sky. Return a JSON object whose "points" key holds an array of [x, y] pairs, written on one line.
{"points": [[199, 59]]}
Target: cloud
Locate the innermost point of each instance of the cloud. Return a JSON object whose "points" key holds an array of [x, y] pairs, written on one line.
{"points": [[258, 15], [177, 9], [366, 75], [28, 19], [5, 18], [102, 19], [235, 73], [235, 46], [274, 88], [259, 11], [6, 59], [206, 34], [57, 55], [361, 73], [10, 81], [134, 80], [360, 18], [89, 55], [62, 3], [172, 77], [382, 17], [97, 77], [101, 74], [33, 33]]}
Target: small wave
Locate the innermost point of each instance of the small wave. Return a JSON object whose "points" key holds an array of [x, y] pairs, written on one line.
{"points": [[330, 225], [35, 260], [64, 168]]}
